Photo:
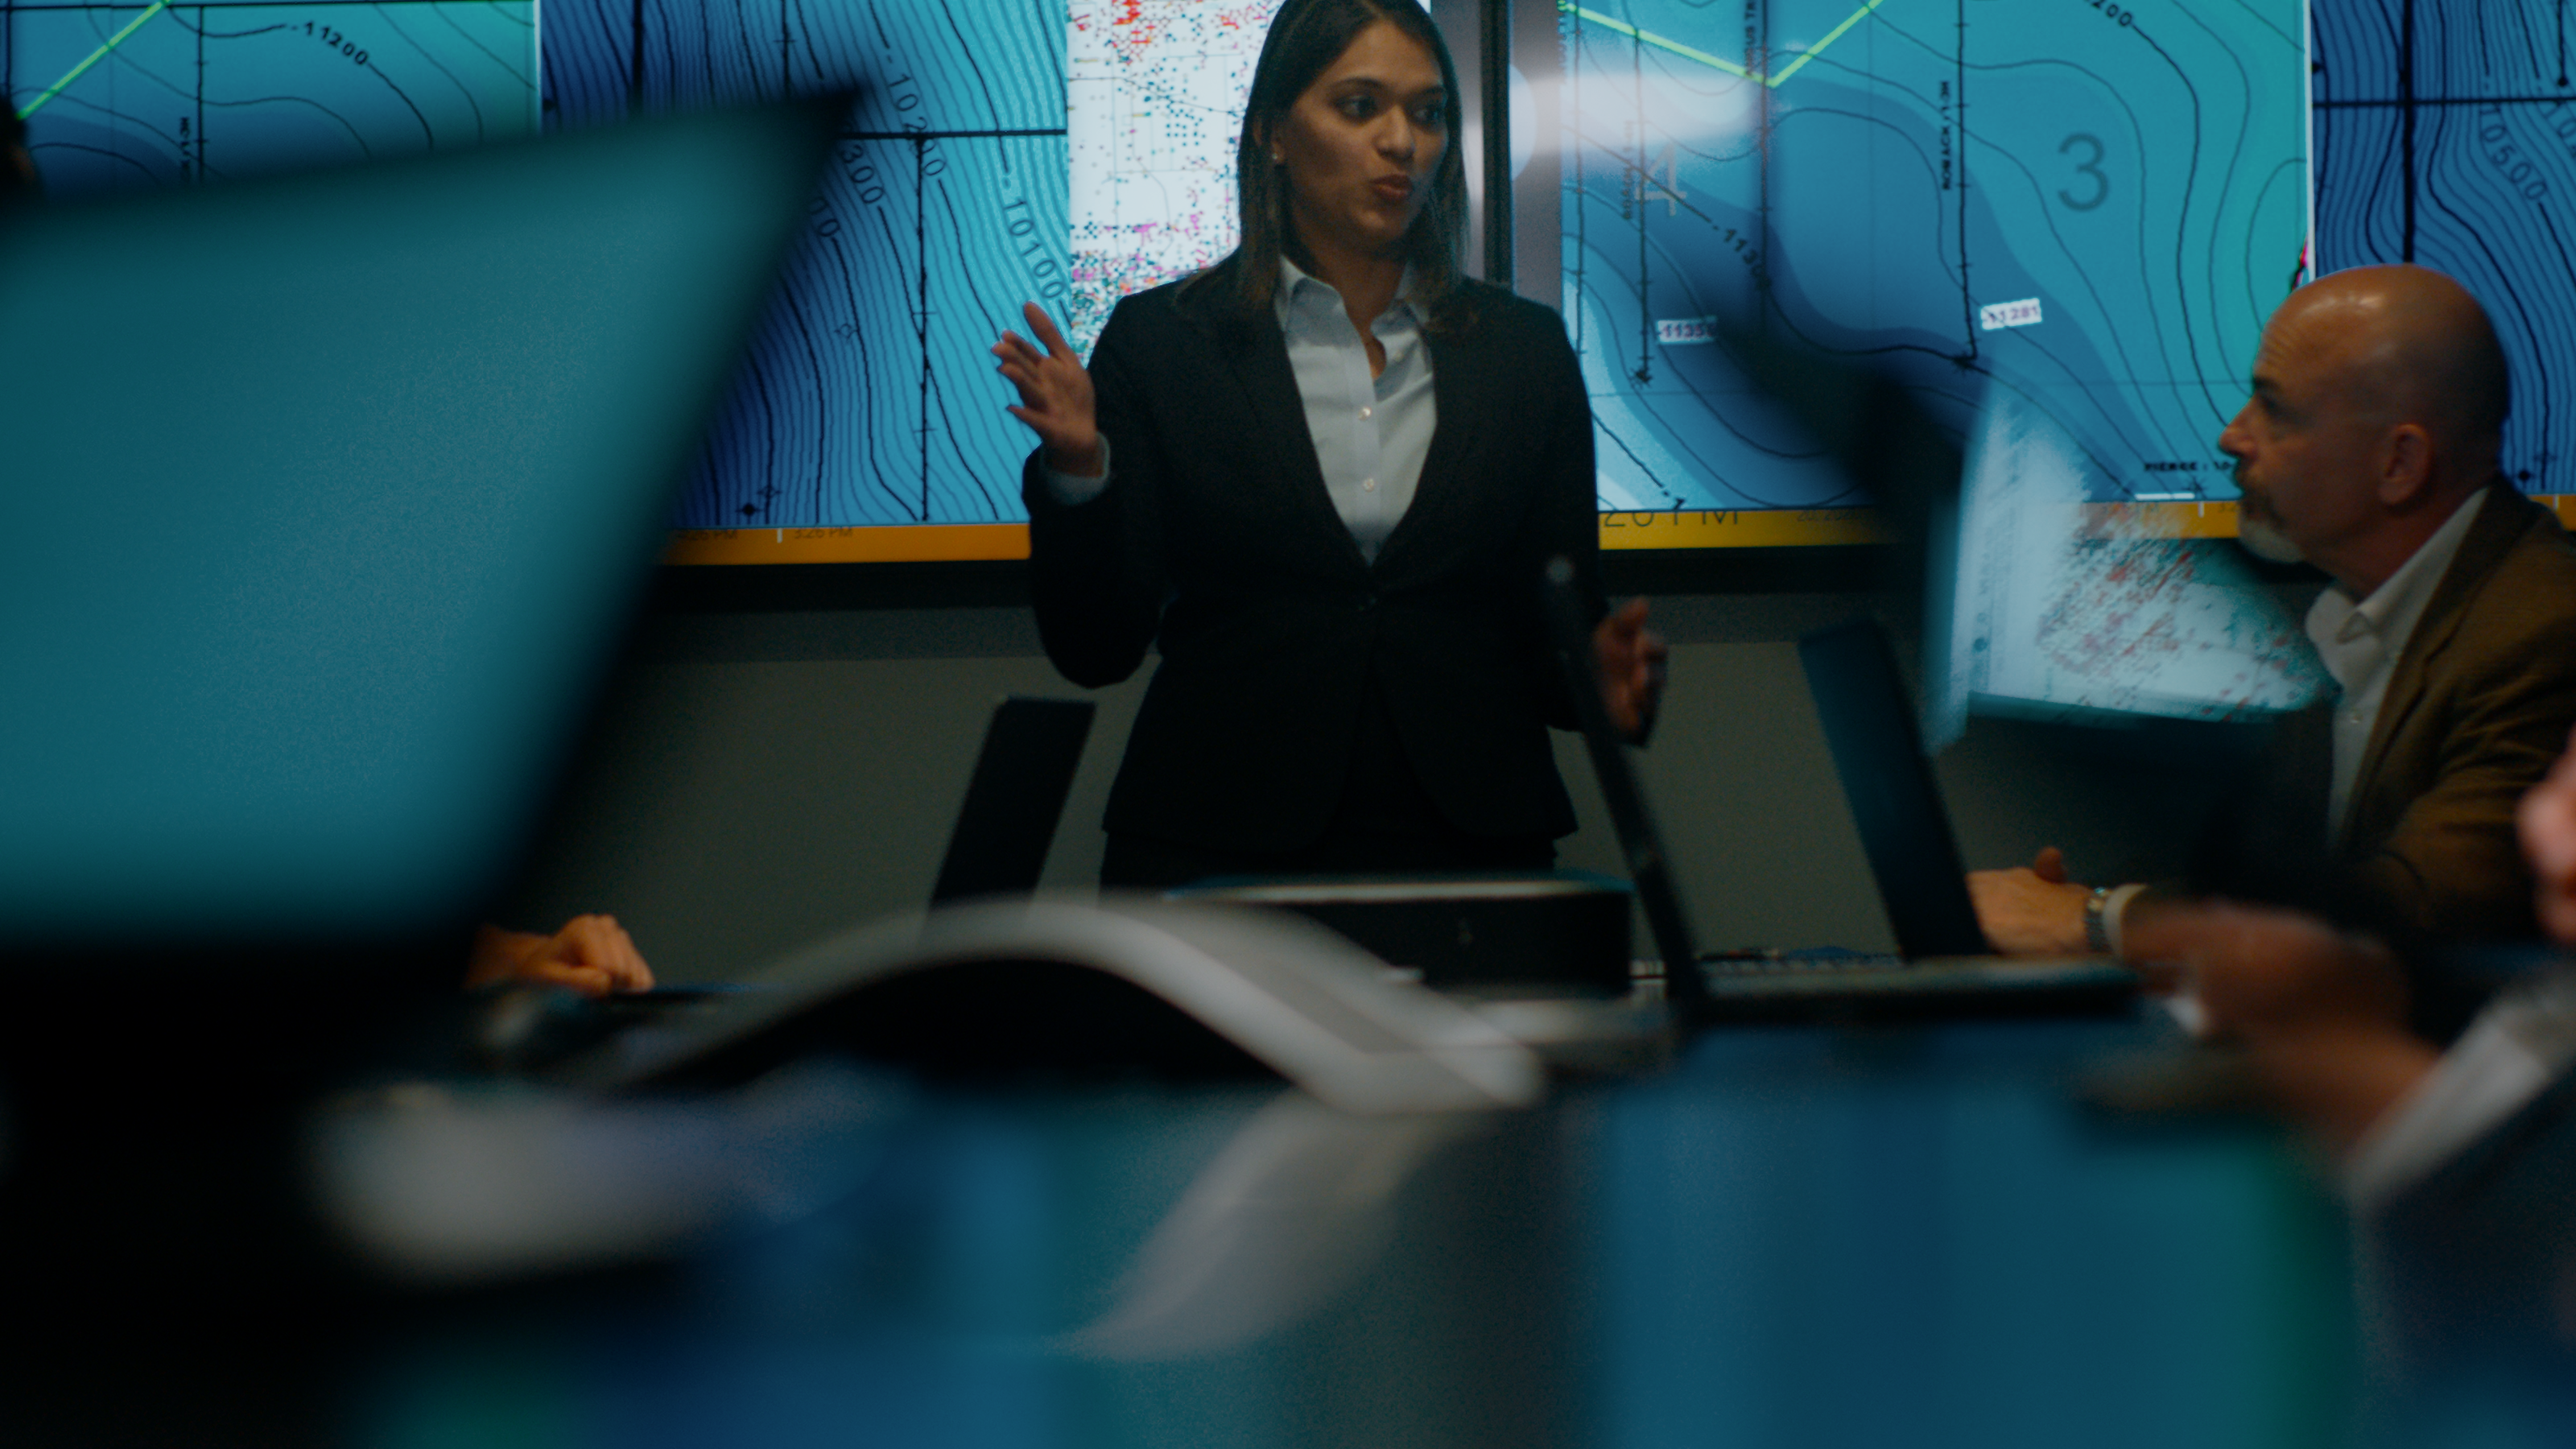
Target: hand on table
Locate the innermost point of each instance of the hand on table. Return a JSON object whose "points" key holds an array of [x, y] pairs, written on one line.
{"points": [[1629, 658], [2263, 973], [1055, 393], [2322, 1014], [591, 954], [2031, 910]]}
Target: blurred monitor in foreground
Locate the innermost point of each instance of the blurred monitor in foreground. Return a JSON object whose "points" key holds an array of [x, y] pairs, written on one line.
{"points": [[2044, 602], [2041, 599], [335, 492]]}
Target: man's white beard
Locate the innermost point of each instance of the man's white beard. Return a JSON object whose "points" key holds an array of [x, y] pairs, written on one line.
{"points": [[2264, 539]]}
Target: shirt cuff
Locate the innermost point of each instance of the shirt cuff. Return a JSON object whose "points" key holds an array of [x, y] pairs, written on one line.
{"points": [[1070, 489], [2114, 907], [2509, 1054], [2182, 1003]]}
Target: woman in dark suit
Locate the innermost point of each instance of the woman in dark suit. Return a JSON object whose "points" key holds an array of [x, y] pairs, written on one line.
{"points": [[1326, 473]]}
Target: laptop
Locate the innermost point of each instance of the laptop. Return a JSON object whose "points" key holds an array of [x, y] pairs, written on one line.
{"points": [[1896, 804]]}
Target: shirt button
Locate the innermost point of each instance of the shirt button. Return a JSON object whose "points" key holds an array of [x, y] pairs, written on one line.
{"points": [[1368, 485], [1364, 412]]}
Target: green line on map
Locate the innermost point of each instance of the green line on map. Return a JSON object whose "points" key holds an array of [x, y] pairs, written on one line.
{"points": [[96, 56], [1715, 62], [1817, 49]]}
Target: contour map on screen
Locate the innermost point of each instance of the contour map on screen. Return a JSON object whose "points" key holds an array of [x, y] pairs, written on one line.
{"points": [[2468, 165], [1001, 151], [2089, 206], [868, 397], [118, 96]]}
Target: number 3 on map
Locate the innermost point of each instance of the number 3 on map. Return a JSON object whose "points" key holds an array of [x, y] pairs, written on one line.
{"points": [[2091, 167]]}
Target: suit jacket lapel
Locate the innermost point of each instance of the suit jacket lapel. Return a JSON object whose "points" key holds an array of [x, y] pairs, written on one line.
{"points": [[1462, 384], [2500, 521], [1257, 353]]}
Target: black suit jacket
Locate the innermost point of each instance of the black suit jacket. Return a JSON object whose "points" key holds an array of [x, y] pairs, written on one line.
{"points": [[1217, 536]]}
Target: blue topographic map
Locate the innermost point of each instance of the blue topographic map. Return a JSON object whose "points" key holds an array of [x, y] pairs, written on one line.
{"points": [[2446, 135], [119, 96], [2087, 205]]}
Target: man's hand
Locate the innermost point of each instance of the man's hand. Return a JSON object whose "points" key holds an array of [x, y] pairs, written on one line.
{"points": [[2265, 974], [2548, 821], [2321, 1014], [591, 954], [1055, 393], [2032, 911], [1629, 658]]}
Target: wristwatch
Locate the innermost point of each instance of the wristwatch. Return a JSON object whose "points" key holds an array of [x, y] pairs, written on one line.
{"points": [[2097, 926]]}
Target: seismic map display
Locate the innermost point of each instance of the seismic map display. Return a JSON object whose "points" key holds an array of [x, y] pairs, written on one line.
{"points": [[1001, 151], [1155, 103], [868, 398], [2446, 135], [2086, 206], [124, 95]]}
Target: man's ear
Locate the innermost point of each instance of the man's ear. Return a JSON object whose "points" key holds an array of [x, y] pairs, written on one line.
{"points": [[2405, 465]]}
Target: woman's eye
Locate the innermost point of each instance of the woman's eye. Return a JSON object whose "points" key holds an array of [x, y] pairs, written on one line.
{"points": [[1358, 107], [1432, 117]]}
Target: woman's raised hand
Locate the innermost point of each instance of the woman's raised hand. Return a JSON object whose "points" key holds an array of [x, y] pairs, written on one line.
{"points": [[1055, 393]]}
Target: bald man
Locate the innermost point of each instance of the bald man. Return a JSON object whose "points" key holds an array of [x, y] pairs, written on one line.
{"points": [[2369, 449]]}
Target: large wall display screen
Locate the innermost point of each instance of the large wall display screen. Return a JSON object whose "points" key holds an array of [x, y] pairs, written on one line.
{"points": [[2063, 220], [2086, 207], [1003, 151]]}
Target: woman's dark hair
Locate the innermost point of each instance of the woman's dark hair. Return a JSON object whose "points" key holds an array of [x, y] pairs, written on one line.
{"points": [[1306, 37]]}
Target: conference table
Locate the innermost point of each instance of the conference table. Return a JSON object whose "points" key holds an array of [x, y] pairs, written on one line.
{"points": [[1806, 1235]]}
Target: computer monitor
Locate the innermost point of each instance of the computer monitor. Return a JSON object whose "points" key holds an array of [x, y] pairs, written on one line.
{"points": [[348, 483]]}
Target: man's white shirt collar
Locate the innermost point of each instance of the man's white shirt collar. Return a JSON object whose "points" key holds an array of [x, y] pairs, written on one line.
{"points": [[2339, 624], [2360, 641]]}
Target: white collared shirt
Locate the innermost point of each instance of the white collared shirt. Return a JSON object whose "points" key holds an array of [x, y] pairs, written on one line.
{"points": [[2360, 642], [1371, 434]]}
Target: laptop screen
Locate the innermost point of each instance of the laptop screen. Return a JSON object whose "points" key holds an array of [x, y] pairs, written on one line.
{"points": [[1649, 868], [1896, 805]]}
